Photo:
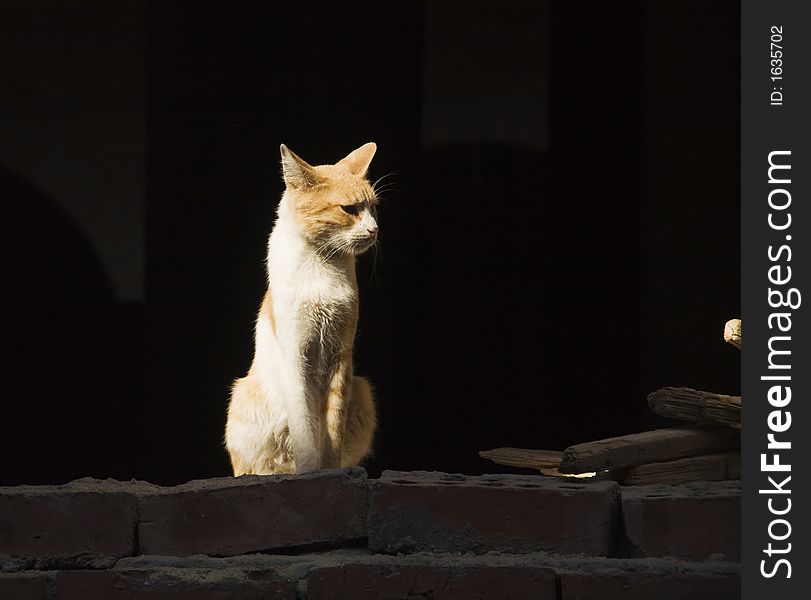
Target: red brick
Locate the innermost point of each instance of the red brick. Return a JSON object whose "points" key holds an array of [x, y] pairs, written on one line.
{"points": [[696, 520], [84, 517], [438, 581], [649, 586], [437, 512], [173, 584], [23, 586], [230, 516]]}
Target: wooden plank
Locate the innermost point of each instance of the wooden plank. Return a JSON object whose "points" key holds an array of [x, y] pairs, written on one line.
{"points": [[646, 447], [545, 461], [696, 406], [732, 332], [557, 473], [711, 467], [520, 457]]}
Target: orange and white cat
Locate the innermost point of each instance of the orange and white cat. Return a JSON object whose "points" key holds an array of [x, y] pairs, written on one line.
{"points": [[300, 407]]}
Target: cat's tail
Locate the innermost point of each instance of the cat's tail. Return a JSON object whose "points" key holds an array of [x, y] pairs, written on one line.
{"points": [[361, 422]]}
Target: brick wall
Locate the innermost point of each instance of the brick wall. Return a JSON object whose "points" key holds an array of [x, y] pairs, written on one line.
{"points": [[335, 534]]}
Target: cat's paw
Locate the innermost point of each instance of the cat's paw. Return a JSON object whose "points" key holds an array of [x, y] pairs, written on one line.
{"points": [[305, 466]]}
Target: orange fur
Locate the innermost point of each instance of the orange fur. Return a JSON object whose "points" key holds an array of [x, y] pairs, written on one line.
{"points": [[318, 208], [266, 310]]}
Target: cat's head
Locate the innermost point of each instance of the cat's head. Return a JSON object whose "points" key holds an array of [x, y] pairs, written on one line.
{"points": [[334, 206]]}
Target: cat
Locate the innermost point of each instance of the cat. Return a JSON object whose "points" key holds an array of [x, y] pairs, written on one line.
{"points": [[300, 407]]}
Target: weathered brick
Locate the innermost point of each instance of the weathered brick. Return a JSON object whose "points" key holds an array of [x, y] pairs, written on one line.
{"points": [[229, 516], [173, 584], [694, 520], [440, 581], [437, 512], [640, 585], [85, 517], [23, 586]]}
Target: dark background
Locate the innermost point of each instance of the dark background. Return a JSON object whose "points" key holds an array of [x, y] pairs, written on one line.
{"points": [[562, 237]]}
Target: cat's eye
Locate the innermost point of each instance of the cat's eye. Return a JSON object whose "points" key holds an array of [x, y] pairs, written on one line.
{"points": [[352, 209]]}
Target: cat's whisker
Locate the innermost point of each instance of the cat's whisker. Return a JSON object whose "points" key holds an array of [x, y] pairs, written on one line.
{"points": [[386, 190], [382, 177], [377, 253], [386, 186]]}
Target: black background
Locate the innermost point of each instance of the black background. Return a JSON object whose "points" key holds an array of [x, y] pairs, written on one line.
{"points": [[527, 295]]}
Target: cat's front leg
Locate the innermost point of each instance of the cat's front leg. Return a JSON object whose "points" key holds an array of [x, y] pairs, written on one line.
{"points": [[336, 411], [301, 413], [303, 439]]}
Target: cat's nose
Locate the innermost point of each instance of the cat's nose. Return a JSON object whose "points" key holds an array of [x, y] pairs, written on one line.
{"points": [[372, 231]]}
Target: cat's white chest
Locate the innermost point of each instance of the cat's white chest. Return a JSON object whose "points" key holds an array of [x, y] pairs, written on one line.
{"points": [[315, 303], [324, 306], [324, 286], [317, 298]]}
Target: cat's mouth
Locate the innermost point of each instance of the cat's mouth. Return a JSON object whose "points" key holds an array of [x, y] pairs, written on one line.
{"points": [[364, 244]]}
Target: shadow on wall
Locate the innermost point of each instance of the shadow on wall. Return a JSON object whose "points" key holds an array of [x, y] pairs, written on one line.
{"points": [[48, 260], [72, 372]]}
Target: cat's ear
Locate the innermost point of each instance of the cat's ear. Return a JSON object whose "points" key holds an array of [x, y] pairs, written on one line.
{"points": [[357, 162], [295, 170]]}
